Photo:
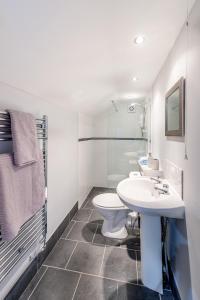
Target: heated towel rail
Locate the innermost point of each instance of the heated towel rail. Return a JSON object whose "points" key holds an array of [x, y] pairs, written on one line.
{"points": [[34, 230]]}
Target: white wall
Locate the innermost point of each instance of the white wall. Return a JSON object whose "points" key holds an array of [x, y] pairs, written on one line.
{"points": [[86, 157], [192, 178], [184, 60], [62, 150]]}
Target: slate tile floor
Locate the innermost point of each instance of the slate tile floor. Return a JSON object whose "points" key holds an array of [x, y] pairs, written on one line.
{"points": [[84, 265]]}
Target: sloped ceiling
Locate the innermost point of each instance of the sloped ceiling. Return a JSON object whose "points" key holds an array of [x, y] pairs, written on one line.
{"points": [[82, 52]]}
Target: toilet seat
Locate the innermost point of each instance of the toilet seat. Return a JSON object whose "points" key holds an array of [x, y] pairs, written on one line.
{"points": [[108, 200], [114, 214]]}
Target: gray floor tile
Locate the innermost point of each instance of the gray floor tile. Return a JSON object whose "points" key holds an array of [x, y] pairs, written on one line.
{"points": [[68, 228], [133, 240], [33, 283], [130, 292], [83, 215], [129, 243], [56, 285], [102, 240], [82, 232], [60, 254], [89, 204], [87, 258], [96, 217], [120, 264], [95, 288]]}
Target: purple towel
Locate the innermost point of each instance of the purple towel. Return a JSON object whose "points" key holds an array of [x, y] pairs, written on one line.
{"points": [[24, 137], [21, 194]]}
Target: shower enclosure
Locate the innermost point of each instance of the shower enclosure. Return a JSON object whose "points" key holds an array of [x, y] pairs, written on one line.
{"points": [[123, 133]]}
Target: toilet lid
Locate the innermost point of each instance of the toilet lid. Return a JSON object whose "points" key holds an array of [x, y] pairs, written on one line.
{"points": [[109, 200]]}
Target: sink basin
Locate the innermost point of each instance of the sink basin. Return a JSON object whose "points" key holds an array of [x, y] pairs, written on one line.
{"points": [[138, 194]]}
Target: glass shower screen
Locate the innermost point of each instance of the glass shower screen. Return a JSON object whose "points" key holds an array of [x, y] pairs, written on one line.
{"points": [[127, 133]]}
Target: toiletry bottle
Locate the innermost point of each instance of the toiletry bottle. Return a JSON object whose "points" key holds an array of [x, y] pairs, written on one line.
{"points": [[155, 164], [150, 160]]}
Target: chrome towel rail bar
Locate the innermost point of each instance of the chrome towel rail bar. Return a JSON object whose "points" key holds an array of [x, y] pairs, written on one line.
{"points": [[33, 232]]}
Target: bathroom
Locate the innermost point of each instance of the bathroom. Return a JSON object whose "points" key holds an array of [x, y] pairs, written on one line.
{"points": [[119, 215]]}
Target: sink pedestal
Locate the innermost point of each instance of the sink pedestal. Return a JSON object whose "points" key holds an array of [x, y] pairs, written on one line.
{"points": [[139, 195], [151, 253]]}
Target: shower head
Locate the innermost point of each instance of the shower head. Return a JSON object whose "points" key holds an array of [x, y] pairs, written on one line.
{"points": [[132, 107], [137, 104]]}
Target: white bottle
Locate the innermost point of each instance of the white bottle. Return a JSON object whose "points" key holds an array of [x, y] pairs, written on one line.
{"points": [[150, 160]]}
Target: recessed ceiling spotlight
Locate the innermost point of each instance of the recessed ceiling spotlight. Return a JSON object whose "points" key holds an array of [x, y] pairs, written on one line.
{"points": [[139, 39], [135, 79]]}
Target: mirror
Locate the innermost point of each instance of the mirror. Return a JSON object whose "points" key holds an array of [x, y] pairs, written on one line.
{"points": [[175, 109]]}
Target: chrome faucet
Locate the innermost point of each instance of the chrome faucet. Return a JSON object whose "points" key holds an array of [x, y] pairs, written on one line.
{"points": [[163, 190], [157, 180]]}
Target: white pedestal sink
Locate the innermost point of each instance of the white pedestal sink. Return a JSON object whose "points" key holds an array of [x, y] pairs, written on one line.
{"points": [[139, 195]]}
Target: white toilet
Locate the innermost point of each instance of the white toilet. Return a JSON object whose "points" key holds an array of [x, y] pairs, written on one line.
{"points": [[114, 213]]}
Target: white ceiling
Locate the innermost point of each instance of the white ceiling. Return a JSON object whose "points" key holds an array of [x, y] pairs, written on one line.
{"points": [[81, 52]]}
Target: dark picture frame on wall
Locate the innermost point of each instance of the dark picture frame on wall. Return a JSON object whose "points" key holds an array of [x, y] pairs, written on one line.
{"points": [[175, 109]]}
